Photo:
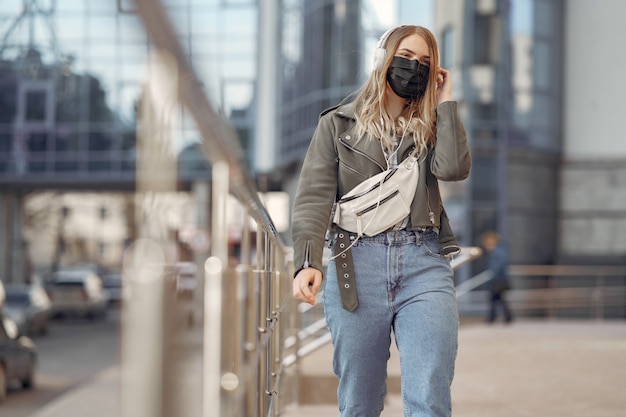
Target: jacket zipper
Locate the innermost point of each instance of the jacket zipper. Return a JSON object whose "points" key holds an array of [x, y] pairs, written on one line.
{"points": [[431, 215], [364, 155], [307, 254], [354, 171], [408, 152]]}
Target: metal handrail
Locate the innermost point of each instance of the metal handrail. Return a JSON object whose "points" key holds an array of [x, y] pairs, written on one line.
{"points": [[474, 282], [219, 140], [243, 337], [560, 287], [567, 270]]}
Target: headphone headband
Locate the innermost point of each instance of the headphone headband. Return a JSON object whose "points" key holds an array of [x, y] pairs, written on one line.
{"points": [[381, 52], [383, 38]]}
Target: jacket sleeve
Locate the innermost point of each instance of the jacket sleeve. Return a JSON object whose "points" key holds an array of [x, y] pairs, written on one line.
{"points": [[315, 196], [451, 159]]}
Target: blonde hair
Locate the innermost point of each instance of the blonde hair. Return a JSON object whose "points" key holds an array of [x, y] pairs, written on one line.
{"points": [[418, 118]]}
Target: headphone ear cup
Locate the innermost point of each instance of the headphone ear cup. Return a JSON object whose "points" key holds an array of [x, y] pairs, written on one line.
{"points": [[378, 59]]}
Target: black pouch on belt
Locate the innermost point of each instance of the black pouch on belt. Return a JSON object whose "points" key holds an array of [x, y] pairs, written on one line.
{"points": [[345, 270]]}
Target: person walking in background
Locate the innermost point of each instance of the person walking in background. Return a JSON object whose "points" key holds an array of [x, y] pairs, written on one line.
{"points": [[399, 280], [497, 264]]}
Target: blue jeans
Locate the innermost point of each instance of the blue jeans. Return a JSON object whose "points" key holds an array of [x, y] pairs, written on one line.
{"points": [[404, 286]]}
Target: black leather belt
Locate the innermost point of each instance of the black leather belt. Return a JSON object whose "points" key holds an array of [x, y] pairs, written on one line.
{"points": [[345, 270]]}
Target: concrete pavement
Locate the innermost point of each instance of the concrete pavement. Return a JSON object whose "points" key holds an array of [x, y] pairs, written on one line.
{"points": [[542, 369], [527, 369], [530, 368]]}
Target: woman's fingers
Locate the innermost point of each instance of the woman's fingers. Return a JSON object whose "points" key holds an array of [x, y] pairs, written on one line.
{"points": [[305, 285], [444, 85]]}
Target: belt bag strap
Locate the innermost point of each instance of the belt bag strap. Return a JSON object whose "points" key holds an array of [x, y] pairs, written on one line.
{"points": [[345, 271], [379, 202]]}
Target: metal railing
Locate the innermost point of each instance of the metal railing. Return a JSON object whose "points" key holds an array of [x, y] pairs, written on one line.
{"points": [[245, 302], [553, 291]]}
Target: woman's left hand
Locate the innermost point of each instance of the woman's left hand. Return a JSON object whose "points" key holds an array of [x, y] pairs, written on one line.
{"points": [[444, 86]]}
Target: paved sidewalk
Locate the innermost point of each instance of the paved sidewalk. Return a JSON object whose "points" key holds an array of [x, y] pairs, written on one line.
{"points": [[99, 397], [527, 369], [542, 369], [530, 368]]}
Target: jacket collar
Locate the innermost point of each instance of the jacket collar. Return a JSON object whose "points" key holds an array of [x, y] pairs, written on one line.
{"points": [[346, 110], [366, 145]]}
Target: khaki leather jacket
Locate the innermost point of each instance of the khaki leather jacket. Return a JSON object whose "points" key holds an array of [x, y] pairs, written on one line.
{"points": [[336, 162]]}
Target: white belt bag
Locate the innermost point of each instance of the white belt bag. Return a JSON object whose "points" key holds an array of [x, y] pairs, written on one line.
{"points": [[379, 202]]}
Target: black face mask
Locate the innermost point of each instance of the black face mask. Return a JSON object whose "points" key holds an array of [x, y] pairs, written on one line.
{"points": [[408, 78]]}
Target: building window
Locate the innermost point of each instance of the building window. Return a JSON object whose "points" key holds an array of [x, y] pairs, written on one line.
{"points": [[447, 47], [485, 112], [485, 178], [485, 39], [36, 106]]}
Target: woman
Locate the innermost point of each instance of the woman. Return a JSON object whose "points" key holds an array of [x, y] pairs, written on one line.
{"points": [[400, 280]]}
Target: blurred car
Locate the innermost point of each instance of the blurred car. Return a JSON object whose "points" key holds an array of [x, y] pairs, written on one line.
{"points": [[96, 268], [186, 281], [18, 357], [186, 285], [112, 283], [29, 306], [77, 292]]}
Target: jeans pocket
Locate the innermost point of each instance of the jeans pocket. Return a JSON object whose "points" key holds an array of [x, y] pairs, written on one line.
{"points": [[431, 246]]}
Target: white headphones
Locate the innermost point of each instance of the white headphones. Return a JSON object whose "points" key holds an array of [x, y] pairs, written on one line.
{"points": [[380, 52]]}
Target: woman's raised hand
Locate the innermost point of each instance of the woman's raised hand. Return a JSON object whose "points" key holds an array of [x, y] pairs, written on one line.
{"points": [[444, 85]]}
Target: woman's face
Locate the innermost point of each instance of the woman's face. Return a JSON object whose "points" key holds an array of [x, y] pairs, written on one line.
{"points": [[408, 72], [414, 47]]}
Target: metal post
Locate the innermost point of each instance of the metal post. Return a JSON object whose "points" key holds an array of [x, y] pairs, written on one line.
{"points": [[214, 272], [272, 317], [267, 277], [277, 336], [598, 294], [142, 331], [211, 379], [240, 348], [245, 294], [219, 227], [552, 284], [264, 307], [144, 327], [251, 343]]}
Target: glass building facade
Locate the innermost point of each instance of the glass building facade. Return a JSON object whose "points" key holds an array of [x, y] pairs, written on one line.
{"points": [[507, 56], [78, 68], [72, 72], [326, 53]]}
